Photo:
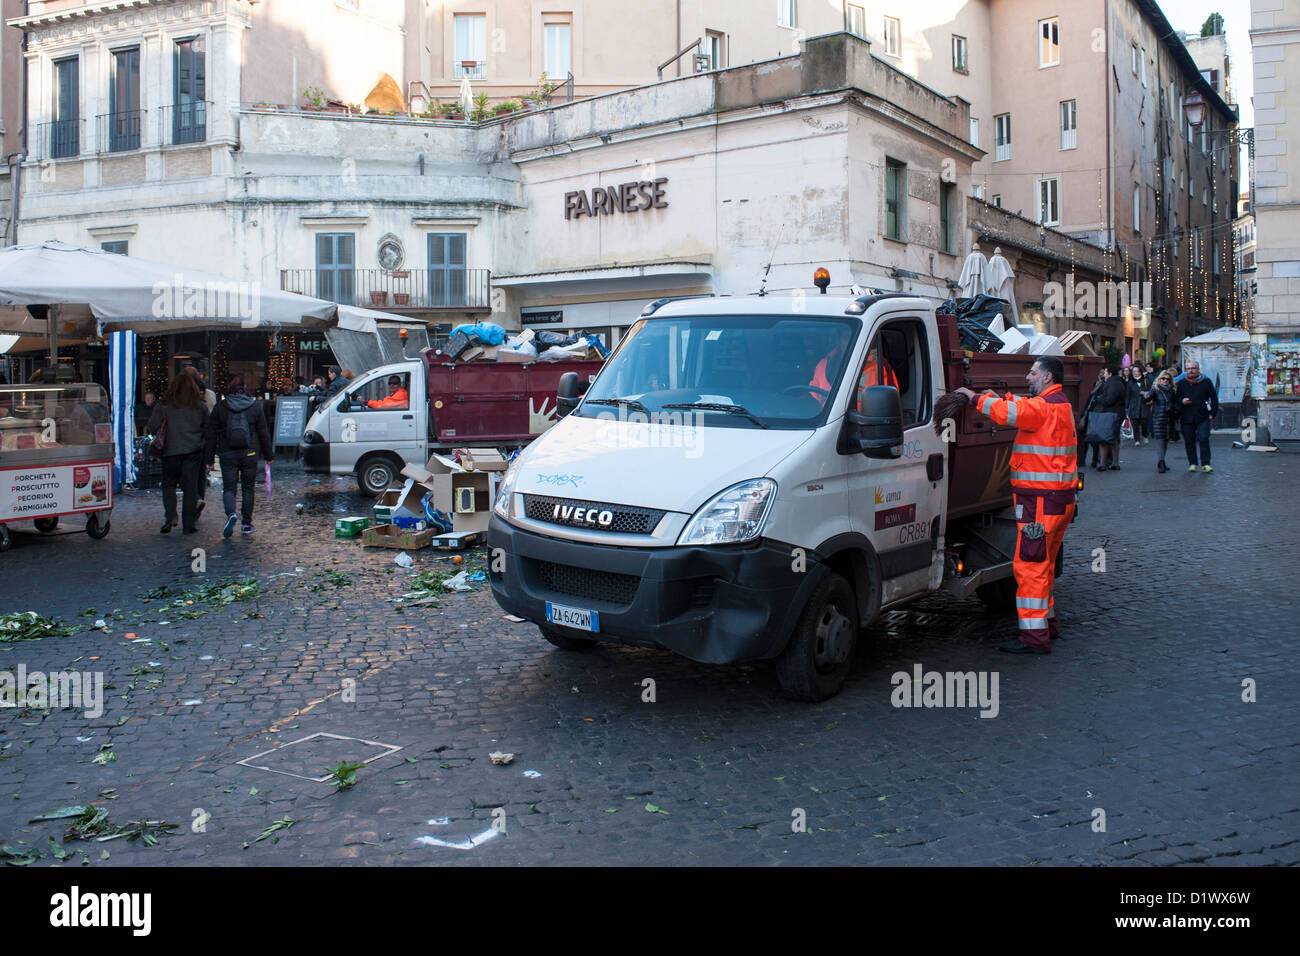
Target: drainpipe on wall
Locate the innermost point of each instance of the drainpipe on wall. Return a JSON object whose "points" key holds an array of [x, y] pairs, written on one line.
{"points": [[679, 35], [1108, 75], [15, 175]]}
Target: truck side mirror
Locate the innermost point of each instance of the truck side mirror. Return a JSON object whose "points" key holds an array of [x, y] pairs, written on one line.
{"points": [[567, 394], [877, 430]]}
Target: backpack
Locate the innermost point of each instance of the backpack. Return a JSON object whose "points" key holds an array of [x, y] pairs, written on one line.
{"points": [[238, 434]]}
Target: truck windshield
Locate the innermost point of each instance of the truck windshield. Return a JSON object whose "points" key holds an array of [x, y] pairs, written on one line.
{"points": [[778, 370]]}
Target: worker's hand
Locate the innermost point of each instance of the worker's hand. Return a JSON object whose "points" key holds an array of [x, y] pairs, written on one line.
{"points": [[969, 395], [1187, 401]]}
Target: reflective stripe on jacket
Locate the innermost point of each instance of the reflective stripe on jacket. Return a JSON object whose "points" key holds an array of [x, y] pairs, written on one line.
{"points": [[1044, 455]]}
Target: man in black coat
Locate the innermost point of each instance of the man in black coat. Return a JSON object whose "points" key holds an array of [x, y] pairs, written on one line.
{"points": [[236, 433], [1114, 399], [1197, 403]]}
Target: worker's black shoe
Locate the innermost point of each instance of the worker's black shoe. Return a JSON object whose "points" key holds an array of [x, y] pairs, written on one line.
{"points": [[1020, 647]]}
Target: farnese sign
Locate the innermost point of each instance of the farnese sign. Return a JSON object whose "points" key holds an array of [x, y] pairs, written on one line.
{"points": [[607, 200]]}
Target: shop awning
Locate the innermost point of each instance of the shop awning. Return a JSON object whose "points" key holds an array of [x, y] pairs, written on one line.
{"points": [[614, 273], [94, 292]]}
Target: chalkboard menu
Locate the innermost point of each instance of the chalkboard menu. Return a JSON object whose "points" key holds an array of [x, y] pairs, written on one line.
{"points": [[291, 413]]}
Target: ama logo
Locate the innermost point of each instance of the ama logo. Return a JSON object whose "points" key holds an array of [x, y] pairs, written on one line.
{"points": [[885, 497]]}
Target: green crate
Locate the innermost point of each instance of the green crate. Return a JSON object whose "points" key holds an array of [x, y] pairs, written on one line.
{"points": [[350, 527]]}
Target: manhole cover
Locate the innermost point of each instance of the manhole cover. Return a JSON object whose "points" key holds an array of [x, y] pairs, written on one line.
{"points": [[308, 757]]}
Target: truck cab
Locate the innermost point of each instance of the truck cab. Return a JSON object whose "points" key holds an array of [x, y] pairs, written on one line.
{"points": [[754, 478], [371, 428]]}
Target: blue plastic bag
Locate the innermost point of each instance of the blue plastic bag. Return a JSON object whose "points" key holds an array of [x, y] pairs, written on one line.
{"points": [[488, 333]]}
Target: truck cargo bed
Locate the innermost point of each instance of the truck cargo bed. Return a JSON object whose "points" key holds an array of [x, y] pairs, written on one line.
{"points": [[979, 460], [494, 401]]}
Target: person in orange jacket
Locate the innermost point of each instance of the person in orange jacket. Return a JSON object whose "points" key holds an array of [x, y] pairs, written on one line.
{"points": [[1044, 473], [397, 396], [871, 375]]}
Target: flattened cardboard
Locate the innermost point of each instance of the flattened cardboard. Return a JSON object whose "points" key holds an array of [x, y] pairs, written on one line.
{"points": [[391, 536]]}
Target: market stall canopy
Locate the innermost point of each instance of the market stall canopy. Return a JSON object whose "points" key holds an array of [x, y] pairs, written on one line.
{"points": [[97, 292], [1224, 336]]}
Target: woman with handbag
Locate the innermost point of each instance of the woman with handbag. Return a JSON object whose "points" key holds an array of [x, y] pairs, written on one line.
{"points": [[178, 425], [1161, 400]]}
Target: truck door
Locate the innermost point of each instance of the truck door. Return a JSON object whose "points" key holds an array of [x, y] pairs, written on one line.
{"points": [[898, 503], [379, 413]]}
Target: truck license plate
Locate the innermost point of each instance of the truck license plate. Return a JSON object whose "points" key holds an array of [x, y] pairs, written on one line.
{"points": [[576, 617]]}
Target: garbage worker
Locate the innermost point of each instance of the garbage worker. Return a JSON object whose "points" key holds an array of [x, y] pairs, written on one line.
{"points": [[397, 396], [874, 372], [1044, 471]]}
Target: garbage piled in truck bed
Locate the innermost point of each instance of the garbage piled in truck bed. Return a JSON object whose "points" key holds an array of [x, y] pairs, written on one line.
{"points": [[488, 342], [982, 327]]}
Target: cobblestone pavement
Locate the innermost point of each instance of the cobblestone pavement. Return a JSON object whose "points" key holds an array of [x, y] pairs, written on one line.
{"points": [[1138, 712]]}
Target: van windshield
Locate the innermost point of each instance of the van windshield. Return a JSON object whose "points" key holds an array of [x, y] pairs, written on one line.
{"points": [[780, 370]]}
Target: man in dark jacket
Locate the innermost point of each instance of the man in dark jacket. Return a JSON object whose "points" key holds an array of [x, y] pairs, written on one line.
{"points": [[337, 381], [1114, 399], [1197, 403], [236, 433]]}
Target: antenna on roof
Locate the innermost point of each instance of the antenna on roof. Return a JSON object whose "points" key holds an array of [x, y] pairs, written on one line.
{"points": [[762, 286]]}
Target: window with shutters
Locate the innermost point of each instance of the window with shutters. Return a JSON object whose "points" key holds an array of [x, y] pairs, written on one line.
{"points": [[857, 20], [189, 89], [1002, 137], [893, 36], [959, 54], [447, 275], [1049, 42], [471, 46], [1069, 123], [336, 265], [895, 199], [1049, 202]]}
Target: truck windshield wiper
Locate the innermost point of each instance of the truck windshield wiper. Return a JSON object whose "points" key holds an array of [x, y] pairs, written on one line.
{"points": [[629, 402], [721, 407]]}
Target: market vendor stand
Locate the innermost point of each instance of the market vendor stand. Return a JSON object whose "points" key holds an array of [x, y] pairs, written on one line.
{"points": [[56, 457], [57, 447]]}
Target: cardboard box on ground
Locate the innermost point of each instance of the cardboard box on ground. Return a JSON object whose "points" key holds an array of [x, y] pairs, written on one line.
{"points": [[465, 495]]}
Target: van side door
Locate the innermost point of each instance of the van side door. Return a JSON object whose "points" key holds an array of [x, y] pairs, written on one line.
{"points": [[898, 503]]}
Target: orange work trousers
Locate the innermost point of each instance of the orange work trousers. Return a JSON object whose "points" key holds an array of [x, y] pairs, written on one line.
{"points": [[1035, 563]]}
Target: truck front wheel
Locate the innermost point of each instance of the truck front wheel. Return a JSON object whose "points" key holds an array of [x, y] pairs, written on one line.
{"points": [[815, 662], [374, 475], [564, 642]]}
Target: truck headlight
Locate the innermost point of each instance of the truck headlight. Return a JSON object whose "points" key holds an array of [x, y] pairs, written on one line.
{"points": [[504, 505], [734, 515], [310, 437]]}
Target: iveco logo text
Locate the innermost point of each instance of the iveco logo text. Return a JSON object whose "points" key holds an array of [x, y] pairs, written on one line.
{"points": [[589, 516]]}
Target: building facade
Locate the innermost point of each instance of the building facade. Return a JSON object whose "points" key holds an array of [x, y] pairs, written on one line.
{"points": [[1275, 45]]}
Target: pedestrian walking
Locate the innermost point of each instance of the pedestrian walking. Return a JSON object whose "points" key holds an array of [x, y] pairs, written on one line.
{"points": [[1161, 404], [1197, 403], [1043, 476], [1106, 419], [236, 433], [1134, 402], [210, 401], [1082, 425], [184, 417]]}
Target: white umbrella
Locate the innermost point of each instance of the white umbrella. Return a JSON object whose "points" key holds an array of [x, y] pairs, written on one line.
{"points": [[90, 292], [974, 272], [466, 96], [1000, 281]]}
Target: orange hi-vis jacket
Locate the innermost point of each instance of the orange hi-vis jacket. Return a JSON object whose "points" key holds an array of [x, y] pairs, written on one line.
{"points": [[870, 375], [399, 399], [1044, 456]]}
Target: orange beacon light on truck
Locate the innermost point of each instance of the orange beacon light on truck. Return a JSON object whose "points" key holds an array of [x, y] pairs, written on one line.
{"points": [[821, 278]]}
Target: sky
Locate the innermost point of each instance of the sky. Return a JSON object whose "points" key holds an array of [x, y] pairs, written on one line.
{"points": [[1187, 17]]}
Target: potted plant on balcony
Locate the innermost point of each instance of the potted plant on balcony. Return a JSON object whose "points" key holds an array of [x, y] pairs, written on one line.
{"points": [[315, 99], [401, 286], [379, 298], [504, 107], [542, 95], [481, 110], [452, 111]]}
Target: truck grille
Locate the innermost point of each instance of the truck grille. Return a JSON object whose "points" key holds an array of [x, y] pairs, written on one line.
{"points": [[626, 519], [604, 586]]}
